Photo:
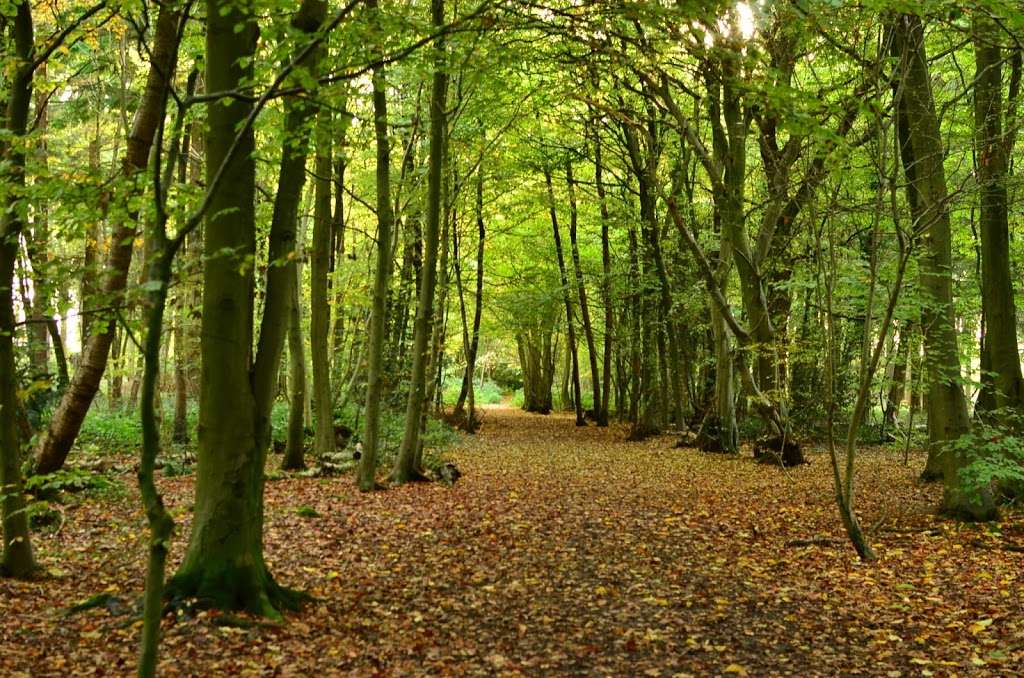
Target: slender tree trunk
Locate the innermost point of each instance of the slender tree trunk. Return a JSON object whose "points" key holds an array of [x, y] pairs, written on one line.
{"points": [[381, 283], [478, 304], [572, 358], [319, 321], [606, 278], [588, 329], [405, 469]]}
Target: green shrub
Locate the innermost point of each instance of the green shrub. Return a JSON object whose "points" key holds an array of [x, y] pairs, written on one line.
{"points": [[994, 458], [488, 393], [111, 430], [67, 480]]}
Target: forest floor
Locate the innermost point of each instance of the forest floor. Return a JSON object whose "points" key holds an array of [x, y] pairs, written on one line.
{"points": [[561, 552]]}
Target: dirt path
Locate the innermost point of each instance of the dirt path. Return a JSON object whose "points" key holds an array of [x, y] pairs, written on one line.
{"points": [[562, 551]]}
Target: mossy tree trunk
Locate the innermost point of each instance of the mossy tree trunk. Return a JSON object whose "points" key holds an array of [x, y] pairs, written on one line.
{"points": [[921, 149], [18, 560], [1000, 349], [224, 564]]}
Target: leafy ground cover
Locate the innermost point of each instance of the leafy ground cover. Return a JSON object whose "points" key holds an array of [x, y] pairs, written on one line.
{"points": [[562, 551]]}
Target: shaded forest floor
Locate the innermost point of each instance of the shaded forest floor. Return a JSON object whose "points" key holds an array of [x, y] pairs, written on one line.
{"points": [[562, 551]]}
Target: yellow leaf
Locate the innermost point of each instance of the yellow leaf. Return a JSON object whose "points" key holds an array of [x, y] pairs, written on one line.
{"points": [[736, 668], [979, 626]]}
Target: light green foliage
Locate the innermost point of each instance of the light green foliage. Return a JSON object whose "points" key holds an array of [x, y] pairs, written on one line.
{"points": [[994, 459], [111, 431]]}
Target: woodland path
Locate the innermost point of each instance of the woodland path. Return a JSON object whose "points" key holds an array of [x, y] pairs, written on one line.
{"points": [[562, 551]]}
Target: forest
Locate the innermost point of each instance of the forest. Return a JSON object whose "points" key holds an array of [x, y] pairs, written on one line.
{"points": [[511, 337]]}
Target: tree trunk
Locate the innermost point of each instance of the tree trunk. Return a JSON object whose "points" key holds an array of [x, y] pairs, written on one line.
{"points": [[1000, 313], [224, 563], [320, 310], [405, 469], [606, 278], [294, 451], [18, 560], [474, 339], [921, 149], [572, 358], [588, 329], [381, 283]]}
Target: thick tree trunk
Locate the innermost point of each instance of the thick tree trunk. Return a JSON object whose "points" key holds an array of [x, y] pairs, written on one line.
{"points": [[56, 441], [998, 308], [921, 149], [405, 465], [18, 560], [224, 563]]}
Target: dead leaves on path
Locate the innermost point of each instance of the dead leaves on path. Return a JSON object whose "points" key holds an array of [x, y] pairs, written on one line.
{"points": [[562, 551]]}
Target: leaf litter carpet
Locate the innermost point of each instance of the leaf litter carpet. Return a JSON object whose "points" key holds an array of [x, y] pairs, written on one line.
{"points": [[562, 551]]}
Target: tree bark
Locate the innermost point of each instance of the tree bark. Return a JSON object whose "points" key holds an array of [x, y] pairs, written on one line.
{"points": [[572, 358], [998, 308], [320, 311], [18, 560], [581, 288], [921, 149], [224, 563], [381, 283], [405, 469]]}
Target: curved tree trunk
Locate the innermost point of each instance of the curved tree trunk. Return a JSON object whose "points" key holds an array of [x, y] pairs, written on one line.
{"points": [[588, 329]]}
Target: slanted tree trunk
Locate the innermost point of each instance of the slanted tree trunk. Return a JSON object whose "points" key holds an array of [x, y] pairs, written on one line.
{"points": [[921, 149], [18, 560], [405, 465], [572, 358], [55, 442], [1000, 347], [381, 282]]}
